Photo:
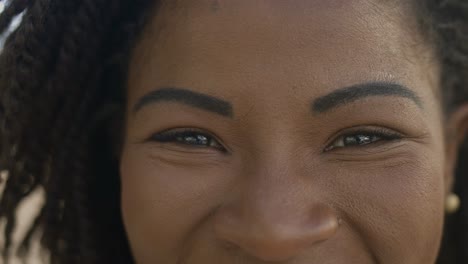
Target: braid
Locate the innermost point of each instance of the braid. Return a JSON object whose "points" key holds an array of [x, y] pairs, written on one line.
{"points": [[26, 40], [32, 52], [446, 25], [72, 74], [451, 27], [12, 10]]}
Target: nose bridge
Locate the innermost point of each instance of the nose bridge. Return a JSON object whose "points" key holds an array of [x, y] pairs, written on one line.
{"points": [[276, 215], [275, 180], [273, 192], [275, 196]]}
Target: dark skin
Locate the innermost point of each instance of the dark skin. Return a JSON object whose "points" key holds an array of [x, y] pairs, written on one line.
{"points": [[264, 175]]}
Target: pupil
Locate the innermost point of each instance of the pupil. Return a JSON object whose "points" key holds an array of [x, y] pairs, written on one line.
{"points": [[358, 140], [195, 140]]}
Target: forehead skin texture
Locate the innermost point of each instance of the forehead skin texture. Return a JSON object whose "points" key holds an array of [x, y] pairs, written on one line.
{"points": [[280, 182]]}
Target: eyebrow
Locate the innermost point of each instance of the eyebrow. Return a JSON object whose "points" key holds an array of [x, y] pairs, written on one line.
{"points": [[352, 93], [187, 97]]}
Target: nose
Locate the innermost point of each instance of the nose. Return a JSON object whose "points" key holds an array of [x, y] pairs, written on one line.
{"points": [[275, 221]]}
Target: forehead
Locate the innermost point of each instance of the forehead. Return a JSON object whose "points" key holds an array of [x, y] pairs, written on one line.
{"points": [[227, 47]]}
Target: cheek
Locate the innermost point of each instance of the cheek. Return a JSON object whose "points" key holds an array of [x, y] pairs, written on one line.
{"points": [[163, 202], [394, 208], [398, 210]]}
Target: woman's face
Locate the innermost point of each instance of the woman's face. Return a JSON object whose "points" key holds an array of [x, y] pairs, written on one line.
{"points": [[261, 131]]}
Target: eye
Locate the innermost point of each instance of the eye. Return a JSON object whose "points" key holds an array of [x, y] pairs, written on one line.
{"points": [[189, 138], [364, 137]]}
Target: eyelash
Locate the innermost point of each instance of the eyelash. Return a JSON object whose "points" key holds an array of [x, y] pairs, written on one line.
{"points": [[178, 137], [377, 134], [181, 137]]}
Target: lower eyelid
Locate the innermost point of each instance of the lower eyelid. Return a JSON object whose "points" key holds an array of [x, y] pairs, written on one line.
{"points": [[185, 148], [183, 157]]}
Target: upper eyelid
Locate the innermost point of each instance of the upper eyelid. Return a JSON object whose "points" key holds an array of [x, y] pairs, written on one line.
{"points": [[182, 129], [372, 132], [361, 128], [194, 130], [185, 131], [335, 136]]}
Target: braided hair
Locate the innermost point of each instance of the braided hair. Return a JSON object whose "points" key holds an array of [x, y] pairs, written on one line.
{"points": [[64, 67]]}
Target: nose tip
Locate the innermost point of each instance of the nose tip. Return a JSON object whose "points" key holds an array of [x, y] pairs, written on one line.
{"points": [[276, 239]]}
